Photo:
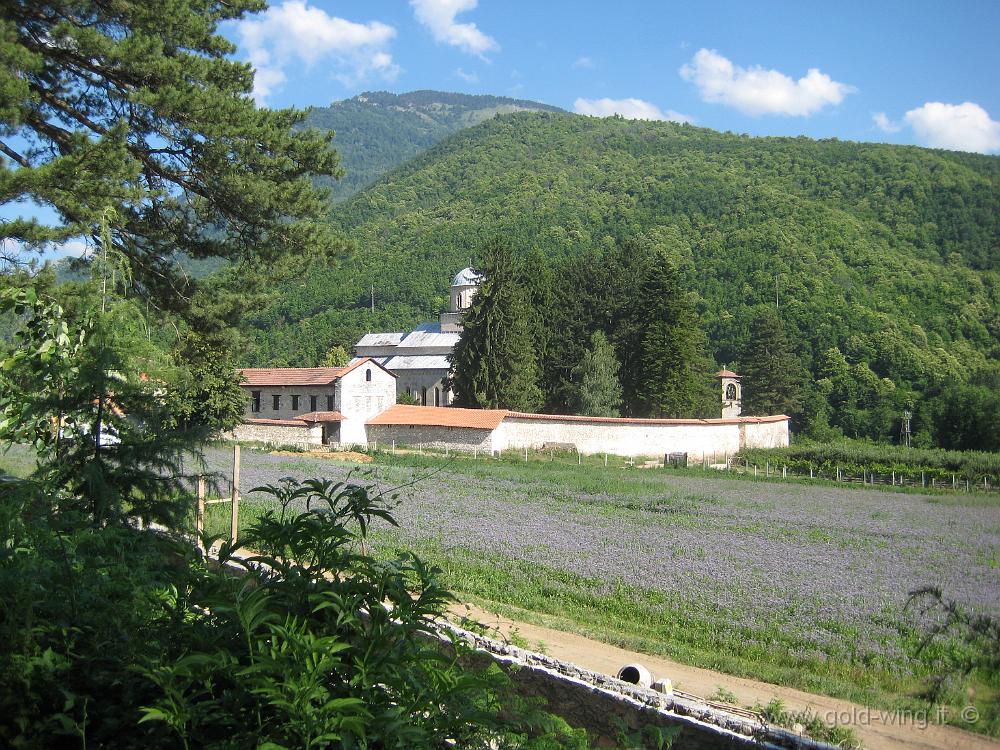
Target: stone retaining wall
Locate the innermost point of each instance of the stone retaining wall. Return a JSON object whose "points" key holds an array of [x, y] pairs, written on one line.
{"points": [[604, 705]]}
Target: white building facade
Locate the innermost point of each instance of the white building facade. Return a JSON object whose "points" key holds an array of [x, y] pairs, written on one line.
{"points": [[314, 405]]}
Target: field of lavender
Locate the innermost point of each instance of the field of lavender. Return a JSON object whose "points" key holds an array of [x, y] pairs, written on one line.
{"points": [[802, 585]]}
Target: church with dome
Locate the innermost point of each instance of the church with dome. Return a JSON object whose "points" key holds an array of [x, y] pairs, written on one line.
{"points": [[420, 358]]}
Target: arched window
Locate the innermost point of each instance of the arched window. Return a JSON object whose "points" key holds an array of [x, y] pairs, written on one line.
{"points": [[731, 392], [423, 396], [437, 396], [368, 374]]}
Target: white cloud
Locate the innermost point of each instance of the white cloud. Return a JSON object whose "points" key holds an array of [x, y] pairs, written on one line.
{"points": [[439, 17], [467, 77], [584, 62], [756, 91], [295, 32], [963, 127], [883, 123], [632, 109]]}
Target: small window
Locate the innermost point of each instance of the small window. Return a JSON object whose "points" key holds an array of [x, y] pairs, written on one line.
{"points": [[329, 402], [275, 402], [312, 402], [368, 374], [295, 402], [255, 406]]}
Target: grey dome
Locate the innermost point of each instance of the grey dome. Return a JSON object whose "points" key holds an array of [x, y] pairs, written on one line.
{"points": [[466, 277]]}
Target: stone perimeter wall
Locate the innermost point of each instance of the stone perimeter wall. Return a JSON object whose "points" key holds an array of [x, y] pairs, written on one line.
{"points": [[304, 436], [455, 438], [699, 440]]}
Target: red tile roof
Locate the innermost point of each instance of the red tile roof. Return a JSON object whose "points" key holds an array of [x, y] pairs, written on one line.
{"points": [[253, 376], [727, 374], [322, 416], [440, 416], [290, 375], [490, 419]]}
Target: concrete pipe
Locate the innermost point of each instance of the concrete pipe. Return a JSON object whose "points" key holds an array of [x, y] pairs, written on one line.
{"points": [[636, 674]]}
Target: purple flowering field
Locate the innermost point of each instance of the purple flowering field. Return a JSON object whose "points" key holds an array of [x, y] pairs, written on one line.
{"points": [[824, 570]]}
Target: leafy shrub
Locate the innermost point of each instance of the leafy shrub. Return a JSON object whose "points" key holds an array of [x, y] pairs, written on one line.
{"points": [[116, 637]]}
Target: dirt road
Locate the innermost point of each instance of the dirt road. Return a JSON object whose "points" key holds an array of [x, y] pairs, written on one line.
{"points": [[878, 730]]}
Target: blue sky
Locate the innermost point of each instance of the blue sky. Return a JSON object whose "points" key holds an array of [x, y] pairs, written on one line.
{"points": [[897, 72]]}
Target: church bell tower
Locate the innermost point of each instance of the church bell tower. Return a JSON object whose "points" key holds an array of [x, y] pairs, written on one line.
{"points": [[732, 393]]}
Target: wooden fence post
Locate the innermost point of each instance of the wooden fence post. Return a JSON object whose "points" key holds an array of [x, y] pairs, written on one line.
{"points": [[234, 519], [199, 519]]}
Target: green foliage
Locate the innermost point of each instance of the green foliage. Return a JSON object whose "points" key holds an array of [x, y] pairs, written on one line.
{"points": [[312, 645], [854, 456], [137, 108], [770, 368], [336, 357], [838, 736], [205, 390], [378, 131], [494, 360], [670, 370], [885, 253], [599, 390], [79, 393], [407, 398]]}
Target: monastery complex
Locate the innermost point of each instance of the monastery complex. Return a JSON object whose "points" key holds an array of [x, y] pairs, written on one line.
{"points": [[356, 405]]}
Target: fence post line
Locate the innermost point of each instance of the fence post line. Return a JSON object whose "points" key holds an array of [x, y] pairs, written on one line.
{"points": [[755, 471], [767, 468], [525, 454], [810, 471], [605, 460], [953, 481], [199, 518], [234, 518], [784, 472]]}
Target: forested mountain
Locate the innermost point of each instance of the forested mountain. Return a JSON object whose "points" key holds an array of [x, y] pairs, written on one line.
{"points": [[884, 261], [377, 131]]}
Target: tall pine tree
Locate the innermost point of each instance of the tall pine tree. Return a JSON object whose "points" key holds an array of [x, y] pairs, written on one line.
{"points": [[672, 370], [495, 365], [772, 374]]}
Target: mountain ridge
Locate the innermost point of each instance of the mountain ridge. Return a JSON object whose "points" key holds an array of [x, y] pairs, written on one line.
{"points": [[377, 131]]}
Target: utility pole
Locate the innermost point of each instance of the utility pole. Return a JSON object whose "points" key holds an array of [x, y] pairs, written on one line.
{"points": [[373, 299], [904, 428]]}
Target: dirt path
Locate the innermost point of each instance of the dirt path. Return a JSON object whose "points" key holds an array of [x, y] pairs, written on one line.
{"points": [[878, 730]]}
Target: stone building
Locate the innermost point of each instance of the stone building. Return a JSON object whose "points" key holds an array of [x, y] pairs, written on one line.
{"points": [[315, 405], [419, 359]]}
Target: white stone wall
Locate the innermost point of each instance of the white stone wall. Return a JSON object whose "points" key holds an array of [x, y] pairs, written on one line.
{"points": [[700, 440], [455, 438], [361, 399], [286, 392], [621, 438], [277, 434], [766, 434]]}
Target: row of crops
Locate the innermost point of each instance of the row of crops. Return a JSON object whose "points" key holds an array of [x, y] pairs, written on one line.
{"points": [[859, 459]]}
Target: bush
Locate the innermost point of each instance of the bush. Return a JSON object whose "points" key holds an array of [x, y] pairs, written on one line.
{"points": [[116, 637]]}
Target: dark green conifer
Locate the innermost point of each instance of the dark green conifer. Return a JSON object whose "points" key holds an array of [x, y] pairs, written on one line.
{"points": [[495, 366]]}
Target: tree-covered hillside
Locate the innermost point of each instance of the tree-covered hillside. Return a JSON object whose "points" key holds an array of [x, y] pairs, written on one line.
{"points": [[884, 260], [377, 131]]}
